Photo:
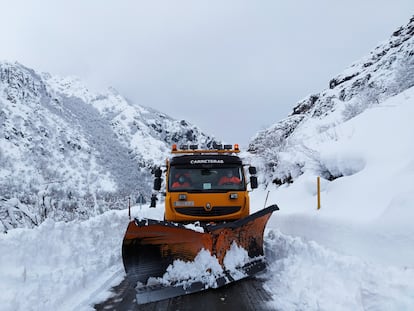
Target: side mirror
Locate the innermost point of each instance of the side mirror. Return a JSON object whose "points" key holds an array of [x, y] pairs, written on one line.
{"points": [[157, 183], [153, 201], [252, 170], [157, 172], [253, 182]]}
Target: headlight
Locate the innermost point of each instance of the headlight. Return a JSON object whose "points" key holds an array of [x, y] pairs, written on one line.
{"points": [[233, 196]]}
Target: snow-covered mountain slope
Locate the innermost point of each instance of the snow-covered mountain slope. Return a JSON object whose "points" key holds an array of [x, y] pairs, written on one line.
{"points": [[355, 252], [148, 133], [67, 152], [289, 147]]}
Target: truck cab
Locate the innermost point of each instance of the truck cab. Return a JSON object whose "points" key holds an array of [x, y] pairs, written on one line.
{"points": [[206, 185]]}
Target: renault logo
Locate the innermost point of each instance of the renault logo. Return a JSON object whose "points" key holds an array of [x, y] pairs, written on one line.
{"points": [[208, 207]]}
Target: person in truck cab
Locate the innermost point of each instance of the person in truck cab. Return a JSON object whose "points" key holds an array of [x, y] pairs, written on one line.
{"points": [[229, 178], [181, 182]]}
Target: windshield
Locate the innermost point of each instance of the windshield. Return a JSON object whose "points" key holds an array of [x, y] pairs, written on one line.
{"points": [[201, 179]]}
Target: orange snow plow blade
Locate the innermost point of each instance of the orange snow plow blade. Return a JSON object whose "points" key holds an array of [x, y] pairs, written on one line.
{"points": [[150, 246]]}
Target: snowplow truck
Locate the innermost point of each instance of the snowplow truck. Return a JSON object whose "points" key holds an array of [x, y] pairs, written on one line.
{"points": [[206, 187]]}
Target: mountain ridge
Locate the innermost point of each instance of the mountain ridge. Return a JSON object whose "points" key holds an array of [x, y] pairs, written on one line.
{"points": [[68, 152], [386, 71]]}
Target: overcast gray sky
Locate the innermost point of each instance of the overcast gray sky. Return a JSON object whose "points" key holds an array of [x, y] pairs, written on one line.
{"points": [[231, 67]]}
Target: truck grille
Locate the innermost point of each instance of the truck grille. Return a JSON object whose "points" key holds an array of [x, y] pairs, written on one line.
{"points": [[201, 212]]}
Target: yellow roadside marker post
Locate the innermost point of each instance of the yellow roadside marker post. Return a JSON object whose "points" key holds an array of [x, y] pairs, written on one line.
{"points": [[318, 183]]}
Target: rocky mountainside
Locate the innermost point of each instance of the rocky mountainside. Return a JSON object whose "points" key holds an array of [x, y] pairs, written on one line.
{"points": [[386, 71], [67, 152]]}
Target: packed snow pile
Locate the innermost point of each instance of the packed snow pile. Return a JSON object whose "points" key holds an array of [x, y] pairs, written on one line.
{"points": [[57, 265], [205, 269], [308, 276], [236, 257]]}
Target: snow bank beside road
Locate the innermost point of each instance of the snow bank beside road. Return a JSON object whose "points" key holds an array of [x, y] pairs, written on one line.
{"points": [[307, 276], [57, 265]]}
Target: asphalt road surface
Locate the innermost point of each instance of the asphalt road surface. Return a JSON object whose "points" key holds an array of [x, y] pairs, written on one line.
{"points": [[247, 294]]}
